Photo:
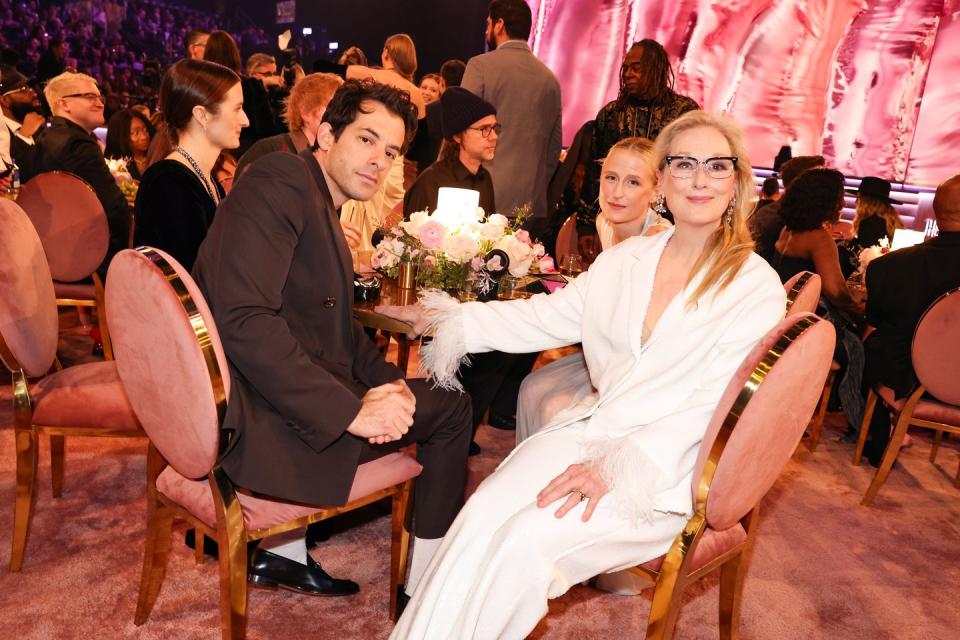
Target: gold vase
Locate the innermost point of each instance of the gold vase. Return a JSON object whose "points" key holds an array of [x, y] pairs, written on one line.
{"points": [[407, 279]]}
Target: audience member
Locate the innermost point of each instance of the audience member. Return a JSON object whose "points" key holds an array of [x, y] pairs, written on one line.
{"points": [[302, 113], [68, 144], [21, 120], [769, 192], [901, 285], [430, 87], [353, 55], [128, 137], [53, 61], [766, 222], [196, 43], [630, 447], [470, 133], [526, 96], [876, 218], [202, 107], [276, 272], [645, 104], [426, 144]]}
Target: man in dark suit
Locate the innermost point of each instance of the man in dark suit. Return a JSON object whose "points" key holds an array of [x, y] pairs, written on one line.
{"points": [[68, 144], [901, 285], [312, 398]]}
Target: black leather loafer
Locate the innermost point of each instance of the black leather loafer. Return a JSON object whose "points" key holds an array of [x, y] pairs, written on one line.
{"points": [[270, 571], [506, 423], [402, 600]]}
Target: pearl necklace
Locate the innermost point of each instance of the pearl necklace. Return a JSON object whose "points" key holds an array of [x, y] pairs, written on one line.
{"points": [[196, 168]]}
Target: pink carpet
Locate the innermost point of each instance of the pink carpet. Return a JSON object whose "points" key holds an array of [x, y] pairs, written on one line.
{"points": [[824, 567]]}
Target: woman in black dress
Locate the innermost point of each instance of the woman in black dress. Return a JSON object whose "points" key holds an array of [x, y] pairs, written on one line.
{"points": [[202, 107]]}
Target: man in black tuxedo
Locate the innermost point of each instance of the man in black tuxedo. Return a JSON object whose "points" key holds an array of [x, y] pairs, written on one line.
{"points": [[312, 398], [901, 285]]}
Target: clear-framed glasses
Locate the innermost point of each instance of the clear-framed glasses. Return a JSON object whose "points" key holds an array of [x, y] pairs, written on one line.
{"points": [[11, 92], [86, 96], [684, 167], [487, 128]]}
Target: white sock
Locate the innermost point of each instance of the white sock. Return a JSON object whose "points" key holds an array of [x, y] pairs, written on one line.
{"points": [[291, 545], [423, 552]]}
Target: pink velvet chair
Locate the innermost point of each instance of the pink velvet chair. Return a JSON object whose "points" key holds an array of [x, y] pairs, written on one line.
{"points": [[83, 400], [935, 403], [167, 347], [73, 229], [754, 431]]}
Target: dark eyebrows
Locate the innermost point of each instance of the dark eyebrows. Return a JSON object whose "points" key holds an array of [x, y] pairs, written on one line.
{"points": [[376, 136]]}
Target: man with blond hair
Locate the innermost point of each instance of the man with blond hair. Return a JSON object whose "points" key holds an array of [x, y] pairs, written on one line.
{"points": [[68, 144]]}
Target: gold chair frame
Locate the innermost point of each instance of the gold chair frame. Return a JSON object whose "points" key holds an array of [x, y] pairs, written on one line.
{"points": [[674, 575], [231, 533], [27, 438]]}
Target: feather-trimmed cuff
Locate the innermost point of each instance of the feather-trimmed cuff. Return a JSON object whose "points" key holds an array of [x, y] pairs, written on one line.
{"points": [[629, 473], [441, 357]]}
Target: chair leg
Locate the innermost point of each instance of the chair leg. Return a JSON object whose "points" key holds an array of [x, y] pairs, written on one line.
{"points": [[155, 554], [26, 444], [664, 610], [816, 427], [102, 319], [889, 457], [937, 438], [56, 465], [400, 542], [233, 585], [868, 410], [732, 574], [198, 541]]}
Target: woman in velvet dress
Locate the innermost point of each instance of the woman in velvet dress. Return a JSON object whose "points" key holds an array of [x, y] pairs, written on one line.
{"points": [[202, 107]]}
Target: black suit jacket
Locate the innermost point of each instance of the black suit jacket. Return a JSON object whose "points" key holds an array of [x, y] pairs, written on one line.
{"points": [[66, 146], [277, 273], [901, 285]]}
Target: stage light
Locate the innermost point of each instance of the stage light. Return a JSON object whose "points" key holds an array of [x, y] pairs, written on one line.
{"points": [[308, 31], [334, 46]]}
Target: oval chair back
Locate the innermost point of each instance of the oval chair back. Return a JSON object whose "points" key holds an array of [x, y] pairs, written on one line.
{"points": [[71, 223], [28, 307], [761, 417], [169, 357], [936, 348], [567, 240], [803, 293]]}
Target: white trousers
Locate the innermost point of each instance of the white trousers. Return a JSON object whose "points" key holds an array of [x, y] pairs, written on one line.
{"points": [[549, 390], [503, 557]]}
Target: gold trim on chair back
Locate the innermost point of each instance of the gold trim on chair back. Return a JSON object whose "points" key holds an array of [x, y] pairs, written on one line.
{"points": [[800, 283]]}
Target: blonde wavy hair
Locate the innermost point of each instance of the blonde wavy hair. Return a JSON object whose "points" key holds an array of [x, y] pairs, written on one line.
{"points": [[868, 207], [643, 147], [312, 92], [731, 245], [403, 53]]}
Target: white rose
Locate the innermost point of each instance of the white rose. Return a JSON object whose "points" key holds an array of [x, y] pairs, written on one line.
{"points": [[521, 255], [480, 214], [387, 259], [490, 231], [460, 248], [499, 220], [417, 220]]}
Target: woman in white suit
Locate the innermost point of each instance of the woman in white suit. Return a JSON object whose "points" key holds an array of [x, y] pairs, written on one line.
{"points": [[665, 321], [628, 188]]}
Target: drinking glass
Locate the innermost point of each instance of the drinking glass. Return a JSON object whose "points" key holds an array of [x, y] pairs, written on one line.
{"points": [[572, 265]]}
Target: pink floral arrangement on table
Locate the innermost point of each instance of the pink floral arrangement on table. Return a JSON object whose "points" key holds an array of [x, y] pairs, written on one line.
{"points": [[867, 255], [459, 243]]}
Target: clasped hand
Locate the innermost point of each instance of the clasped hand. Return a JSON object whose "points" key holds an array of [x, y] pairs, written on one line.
{"points": [[579, 482], [386, 413]]}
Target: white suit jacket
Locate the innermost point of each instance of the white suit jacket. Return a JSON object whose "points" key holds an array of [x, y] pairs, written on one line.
{"points": [[653, 401]]}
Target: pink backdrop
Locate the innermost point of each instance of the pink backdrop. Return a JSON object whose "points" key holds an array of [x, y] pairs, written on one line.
{"points": [[870, 84]]}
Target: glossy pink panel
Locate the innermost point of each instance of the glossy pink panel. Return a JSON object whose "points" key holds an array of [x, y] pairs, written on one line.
{"points": [[868, 83]]}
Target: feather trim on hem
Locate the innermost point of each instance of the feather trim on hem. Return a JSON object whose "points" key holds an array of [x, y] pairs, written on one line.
{"points": [[629, 473], [441, 357]]}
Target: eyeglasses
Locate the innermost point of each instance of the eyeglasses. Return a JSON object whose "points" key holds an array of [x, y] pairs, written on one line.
{"points": [[684, 167], [487, 128], [11, 92], [86, 96]]}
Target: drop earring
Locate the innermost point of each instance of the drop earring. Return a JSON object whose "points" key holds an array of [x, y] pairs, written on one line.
{"points": [[728, 214], [660, 207]]}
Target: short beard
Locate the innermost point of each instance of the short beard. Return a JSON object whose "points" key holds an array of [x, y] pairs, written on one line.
{"points": [[19, 110], [491, 43]]}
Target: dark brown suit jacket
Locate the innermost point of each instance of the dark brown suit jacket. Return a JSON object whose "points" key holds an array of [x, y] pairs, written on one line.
{"points": [[277, 273]]}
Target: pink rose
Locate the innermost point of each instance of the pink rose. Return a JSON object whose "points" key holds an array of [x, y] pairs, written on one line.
{"points": [[524, 237], [547, 265], [429, 262], [375, 261], [494, 264], [431, 234], [476, 263]]}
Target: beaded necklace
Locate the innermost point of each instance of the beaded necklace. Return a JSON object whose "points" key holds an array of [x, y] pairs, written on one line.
{"points": [[199, 172]]}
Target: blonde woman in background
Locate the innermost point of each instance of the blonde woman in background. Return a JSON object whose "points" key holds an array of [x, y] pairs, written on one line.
{"points": [[628, 192], [665, 321], [876, 218]]}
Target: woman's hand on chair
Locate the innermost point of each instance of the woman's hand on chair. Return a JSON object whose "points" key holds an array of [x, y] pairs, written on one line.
{"points": [[579, 482], [413, 314]]}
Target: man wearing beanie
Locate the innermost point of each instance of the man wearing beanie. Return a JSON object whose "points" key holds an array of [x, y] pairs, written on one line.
{"points": [[470, 133]]}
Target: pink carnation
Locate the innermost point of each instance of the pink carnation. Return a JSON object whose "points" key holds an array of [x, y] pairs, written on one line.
{"points": [[431, 234], [524, 237], [547, 265]]}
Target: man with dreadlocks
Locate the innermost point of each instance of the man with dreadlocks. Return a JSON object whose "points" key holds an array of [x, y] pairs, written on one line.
{"points": [[646, 104]]}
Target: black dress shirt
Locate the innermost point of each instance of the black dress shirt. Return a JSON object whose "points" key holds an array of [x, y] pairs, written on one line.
{"points": [[448, 173]]}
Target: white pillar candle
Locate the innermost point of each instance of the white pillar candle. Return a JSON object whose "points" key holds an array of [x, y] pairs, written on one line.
{"points": [[452, 199]]}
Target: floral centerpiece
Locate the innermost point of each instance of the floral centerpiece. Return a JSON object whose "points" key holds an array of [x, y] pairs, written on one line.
{"points": [[868, 254], [121, 174], [458, 245]]}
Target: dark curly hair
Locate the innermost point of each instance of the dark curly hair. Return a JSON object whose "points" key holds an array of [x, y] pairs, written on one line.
{"points": [[348, 101], [815, 197]]}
